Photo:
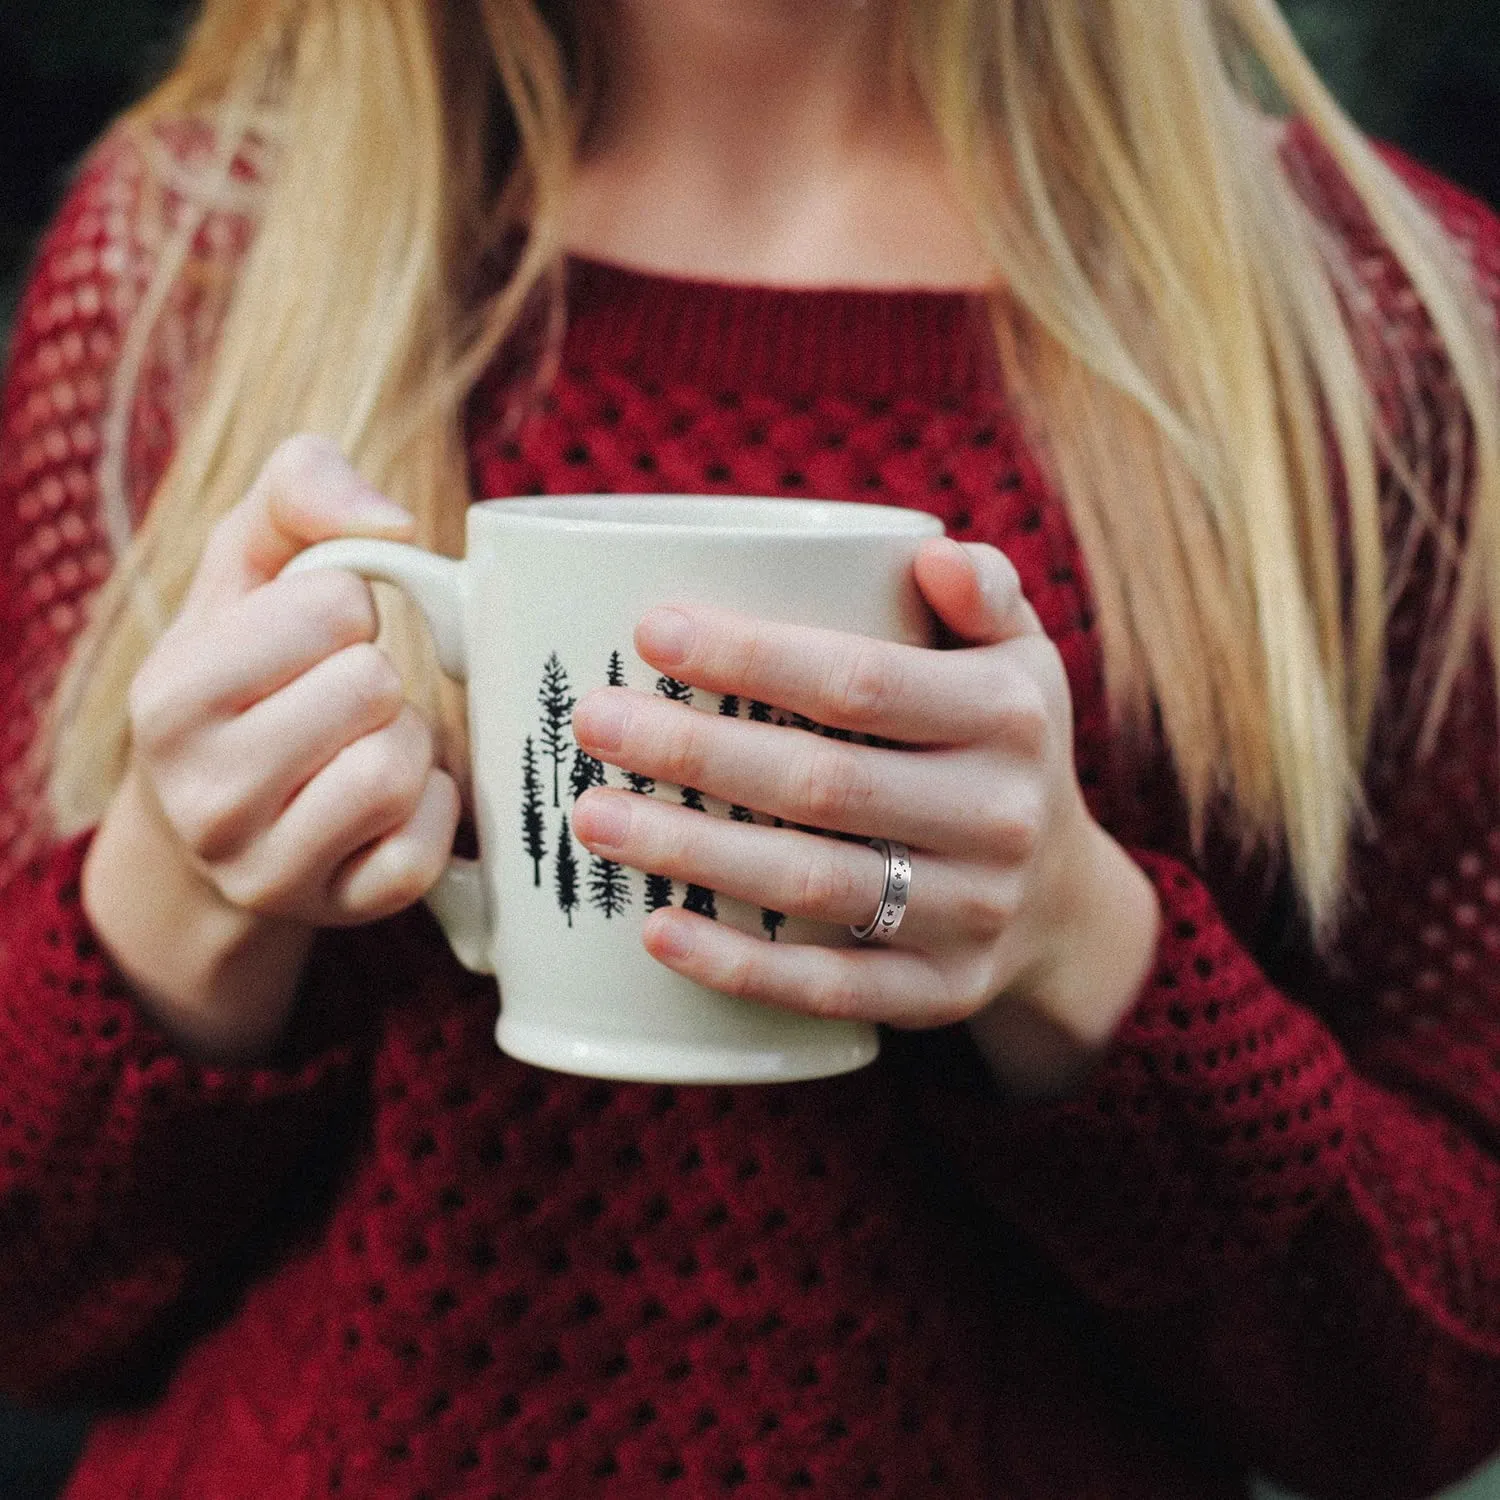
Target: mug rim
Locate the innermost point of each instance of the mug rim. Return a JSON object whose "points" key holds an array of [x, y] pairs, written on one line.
{"points": [[783, 516]]}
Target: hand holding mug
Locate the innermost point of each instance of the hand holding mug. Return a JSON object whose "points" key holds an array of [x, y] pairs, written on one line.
{"points": [[273, 732], [278, 781], [980, 785]]}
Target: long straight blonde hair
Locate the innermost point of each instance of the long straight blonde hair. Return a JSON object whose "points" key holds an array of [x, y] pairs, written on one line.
{"points": [[1168, 289]]}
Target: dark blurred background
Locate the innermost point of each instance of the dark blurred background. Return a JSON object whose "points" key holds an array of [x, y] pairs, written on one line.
{"points": [[1422, 73]]}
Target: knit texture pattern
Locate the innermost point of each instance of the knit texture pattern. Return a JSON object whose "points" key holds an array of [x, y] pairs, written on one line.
{"points": [[391, 1262]]}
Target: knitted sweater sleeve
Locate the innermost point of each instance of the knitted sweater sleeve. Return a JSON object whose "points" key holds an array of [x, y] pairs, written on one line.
{"points": [[125, 1168], [1283, 1199]]}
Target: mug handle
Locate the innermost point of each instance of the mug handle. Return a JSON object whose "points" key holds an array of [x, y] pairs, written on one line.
{"points": [[439, 588]]}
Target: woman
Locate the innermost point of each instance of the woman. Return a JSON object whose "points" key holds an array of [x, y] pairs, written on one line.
{"points": [[1181, 1161]]}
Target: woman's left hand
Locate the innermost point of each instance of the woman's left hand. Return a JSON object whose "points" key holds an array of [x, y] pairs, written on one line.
{"points": [[1024, 917]]}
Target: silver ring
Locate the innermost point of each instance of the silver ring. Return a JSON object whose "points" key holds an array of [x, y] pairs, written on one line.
{"points": [[882, 927]]}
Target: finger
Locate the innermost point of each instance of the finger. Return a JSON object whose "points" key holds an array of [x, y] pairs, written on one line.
{"points": [[975, 591], [277, 746], [368, 790], [307, 492], [401, 868], [891, 986], [882, 688], [231, 660], [930, 799], [786, 870]]}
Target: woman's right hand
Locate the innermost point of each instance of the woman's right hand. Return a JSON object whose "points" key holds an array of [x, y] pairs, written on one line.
{"points": [[278, 780]]}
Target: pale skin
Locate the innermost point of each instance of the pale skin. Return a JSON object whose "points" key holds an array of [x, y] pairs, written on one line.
{"points": [[279, 784]]}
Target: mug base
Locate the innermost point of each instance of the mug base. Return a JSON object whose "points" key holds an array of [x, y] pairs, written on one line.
{"points": [[629, 1060]]}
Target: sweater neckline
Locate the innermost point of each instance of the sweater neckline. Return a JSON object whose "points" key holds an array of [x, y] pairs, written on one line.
{"points": [[668, 328]]}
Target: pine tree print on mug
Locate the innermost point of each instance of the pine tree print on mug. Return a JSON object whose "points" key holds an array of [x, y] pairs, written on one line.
{"points": [[587, 772], [615, 677], [604, 886], [557, 701], [567, 872], [729, 708], [658, 892], [699, 898], [533, 828], [658, 887], [609, 888]]}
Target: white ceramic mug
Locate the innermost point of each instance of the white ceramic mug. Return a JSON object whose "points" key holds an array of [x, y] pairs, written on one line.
{"points": [[543, 608]]}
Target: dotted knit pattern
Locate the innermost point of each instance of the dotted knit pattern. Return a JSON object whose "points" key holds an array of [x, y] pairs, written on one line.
{"points": [[392, 1263]]}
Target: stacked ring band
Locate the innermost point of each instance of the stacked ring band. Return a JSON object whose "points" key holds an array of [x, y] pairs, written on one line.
{"points": [[882, 927]]}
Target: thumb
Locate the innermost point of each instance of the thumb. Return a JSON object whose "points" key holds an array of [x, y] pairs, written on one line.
{"points": [[307, 492], [975, 591]]}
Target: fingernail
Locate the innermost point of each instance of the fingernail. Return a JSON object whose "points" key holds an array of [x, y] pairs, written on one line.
{"points": [[602, 820], [599, 721], [664, 635]]}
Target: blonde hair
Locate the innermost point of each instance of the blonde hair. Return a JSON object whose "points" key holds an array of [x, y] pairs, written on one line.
{"points": [[1167, 287]]}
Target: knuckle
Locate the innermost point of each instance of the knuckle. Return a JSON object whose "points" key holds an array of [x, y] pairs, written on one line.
{"points": [[747, 652], [988, 908], [824, 884], [252, 885], [371, 676], [1011, 831], [861, 686], [834, 995], [410, 874], [205, 815], [691, 750], [741, 977], [835, 787], [1019, 714], [416, 749], [954, 1000], [429, 858], [338, 604], [385, 772]]}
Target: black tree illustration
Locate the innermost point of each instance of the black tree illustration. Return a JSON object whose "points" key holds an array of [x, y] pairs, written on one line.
{"points": [[658, 892], [609, 889], [701, 900], [729, 708], [567, 873], [557, 701], [615, 674], [772, 920], [587, 772], [760, 713], [698, 898], [533, 832]]}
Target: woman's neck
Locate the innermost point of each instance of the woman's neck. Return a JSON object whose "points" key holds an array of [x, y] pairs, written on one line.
{"points": [[766, 141]]}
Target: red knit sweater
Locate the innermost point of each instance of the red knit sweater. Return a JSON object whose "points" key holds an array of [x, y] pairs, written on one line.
{"points": [[392, 1262]]}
